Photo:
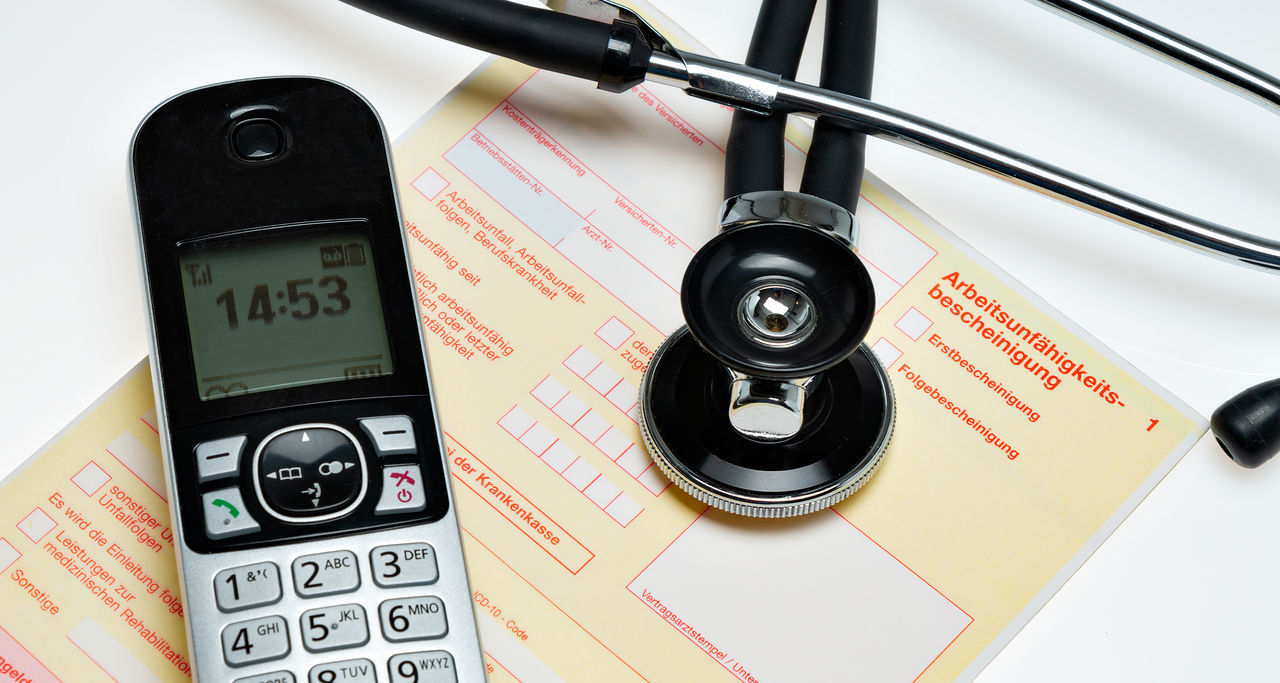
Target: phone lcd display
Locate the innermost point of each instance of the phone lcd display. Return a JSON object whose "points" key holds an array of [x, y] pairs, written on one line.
{"points": [[271, 309]]}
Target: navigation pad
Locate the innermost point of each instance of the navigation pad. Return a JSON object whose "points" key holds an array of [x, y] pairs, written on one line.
{"points": [[310, 472]]}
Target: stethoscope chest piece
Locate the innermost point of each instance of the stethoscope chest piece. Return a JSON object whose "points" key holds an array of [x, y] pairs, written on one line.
{"points": [[848, 420], [768, 404]]}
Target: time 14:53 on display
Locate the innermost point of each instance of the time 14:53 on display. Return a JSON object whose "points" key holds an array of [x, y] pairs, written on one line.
{"points": [[297, 299]]}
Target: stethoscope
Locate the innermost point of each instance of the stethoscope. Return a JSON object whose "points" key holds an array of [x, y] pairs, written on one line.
{"points": [[767, 402]]}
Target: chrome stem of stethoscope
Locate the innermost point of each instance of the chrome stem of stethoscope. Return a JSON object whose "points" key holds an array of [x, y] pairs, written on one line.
{"points": [[1177, 51], [743, 87]]}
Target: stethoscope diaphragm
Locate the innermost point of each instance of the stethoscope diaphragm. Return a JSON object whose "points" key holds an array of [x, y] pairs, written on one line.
{"points": [[848, 420]]}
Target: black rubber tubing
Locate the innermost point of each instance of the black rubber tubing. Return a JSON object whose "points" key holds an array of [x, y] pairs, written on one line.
{"points": [[538, 37], [753, 156], [837, 155]]}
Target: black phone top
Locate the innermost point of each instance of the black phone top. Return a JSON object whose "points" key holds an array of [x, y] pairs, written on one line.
{"points": [[286, 330]]}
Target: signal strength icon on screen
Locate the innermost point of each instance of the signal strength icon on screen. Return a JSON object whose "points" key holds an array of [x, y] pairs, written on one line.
{"points": [[200, 275]]}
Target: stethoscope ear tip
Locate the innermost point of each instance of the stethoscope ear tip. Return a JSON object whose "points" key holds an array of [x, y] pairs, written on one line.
{"points": [[1247, 426]]}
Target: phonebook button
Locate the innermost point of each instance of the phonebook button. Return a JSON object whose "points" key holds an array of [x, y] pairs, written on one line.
{"points": [[225, 515]]}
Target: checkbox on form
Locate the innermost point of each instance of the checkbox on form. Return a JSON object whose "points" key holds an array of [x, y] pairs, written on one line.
{"points": [[35, 525], [913, 323], [581, 362], [430, 183], [91, 478], [615, 333], [8, 555], [886, 352], [516, 422]]}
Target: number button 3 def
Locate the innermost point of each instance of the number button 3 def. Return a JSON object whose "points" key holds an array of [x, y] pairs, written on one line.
{"points": [[407, 564]]}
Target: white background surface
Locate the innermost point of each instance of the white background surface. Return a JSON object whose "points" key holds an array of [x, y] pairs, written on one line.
{"points": [[1185, 590]]}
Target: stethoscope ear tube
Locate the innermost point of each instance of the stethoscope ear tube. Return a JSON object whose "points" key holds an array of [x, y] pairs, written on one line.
{"points": [[1248, 426], [834, 167], [754, 153], [615, 56]]}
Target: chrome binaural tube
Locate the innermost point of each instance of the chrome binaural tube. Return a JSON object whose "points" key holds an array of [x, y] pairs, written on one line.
{"points": [[1169, 47], [740, 86]]}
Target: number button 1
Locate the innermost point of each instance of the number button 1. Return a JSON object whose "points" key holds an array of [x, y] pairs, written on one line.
{"points": [[256, 640], [413, 618], [252, 585], [325, 574], [407, 564]]}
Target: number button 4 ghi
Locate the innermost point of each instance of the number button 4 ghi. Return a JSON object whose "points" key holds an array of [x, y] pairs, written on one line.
{"points": [[256, 640]]}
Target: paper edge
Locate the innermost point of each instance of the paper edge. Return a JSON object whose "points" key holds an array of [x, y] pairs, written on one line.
{"points": [[75, 421]]}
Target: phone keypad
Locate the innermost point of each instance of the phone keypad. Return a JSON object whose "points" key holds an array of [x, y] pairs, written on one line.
{"points": [[326, 574], [423, 667], [252, 585], [225, 514], [255, 640], [337, 627], [334, 628], [407, 564]]}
